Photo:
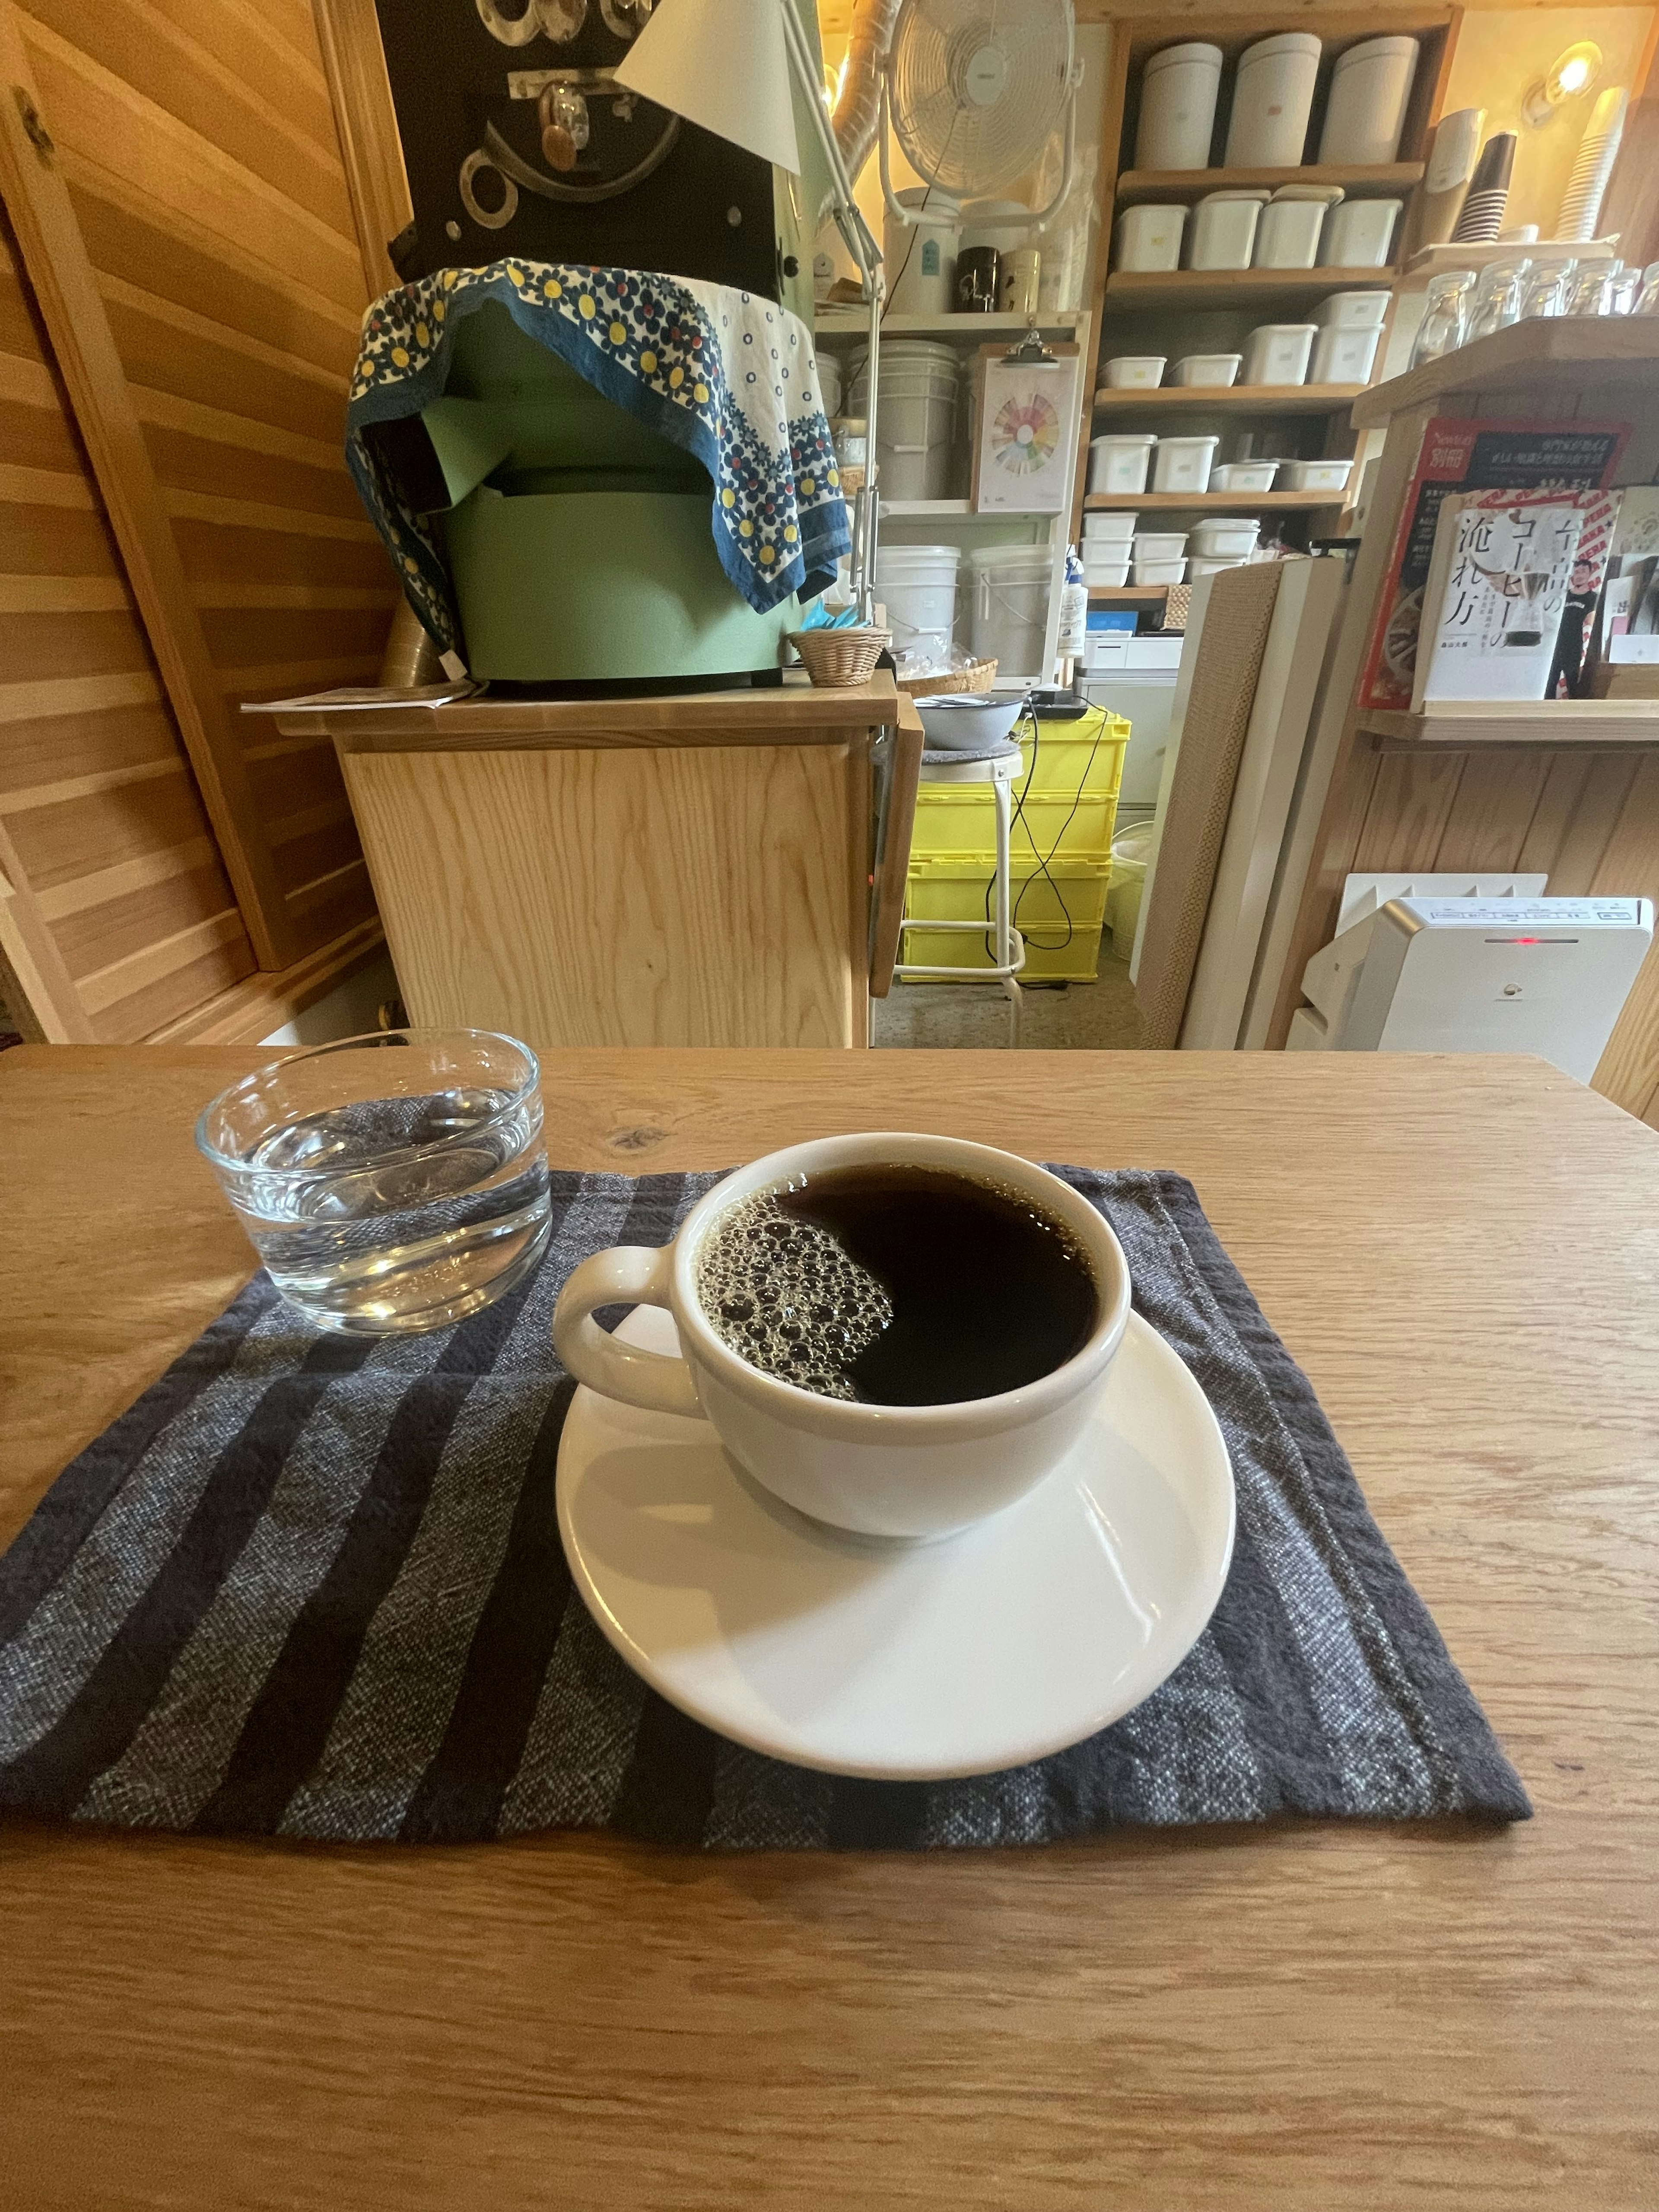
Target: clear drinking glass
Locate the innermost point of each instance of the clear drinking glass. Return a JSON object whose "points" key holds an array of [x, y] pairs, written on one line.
{"points": [[1647, 299], [1497, 300], [1590, 292], [1441, 330], [1546, 290], [1625, 284], [391, 1182]]}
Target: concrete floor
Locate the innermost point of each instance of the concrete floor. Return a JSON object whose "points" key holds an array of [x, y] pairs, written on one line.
{"points": [[1098, 1016]]}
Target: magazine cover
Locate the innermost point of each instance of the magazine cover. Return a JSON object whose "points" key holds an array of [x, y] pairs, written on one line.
{"points": [[1458, 456], [1492, 607]]}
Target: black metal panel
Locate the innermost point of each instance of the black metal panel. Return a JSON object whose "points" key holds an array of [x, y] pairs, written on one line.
{"points": [[705, 211]]}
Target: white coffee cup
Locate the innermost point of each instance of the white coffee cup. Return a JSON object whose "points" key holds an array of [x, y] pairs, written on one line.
{"points": [[906, 1471]]}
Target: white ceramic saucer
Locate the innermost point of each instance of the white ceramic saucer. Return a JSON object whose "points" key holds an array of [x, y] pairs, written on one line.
{"points": [[1024, 1634]]}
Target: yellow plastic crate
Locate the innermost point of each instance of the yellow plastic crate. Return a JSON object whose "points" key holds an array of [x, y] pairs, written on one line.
{"points": [[958, 821], [953, 890], [1086, 755]]}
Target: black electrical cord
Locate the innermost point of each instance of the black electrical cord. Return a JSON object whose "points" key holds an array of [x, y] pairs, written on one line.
{"points": [[1029, 714]]}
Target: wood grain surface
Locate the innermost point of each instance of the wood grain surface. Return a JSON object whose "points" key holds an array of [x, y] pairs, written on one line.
{"points": [[1306, 2018]]}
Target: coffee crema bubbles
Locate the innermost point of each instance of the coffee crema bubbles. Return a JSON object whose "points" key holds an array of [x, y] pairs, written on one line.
{"points": [[784, 1295]]}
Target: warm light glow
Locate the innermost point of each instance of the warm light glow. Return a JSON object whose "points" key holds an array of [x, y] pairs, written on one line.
{"points": [[1574, 71], [1575, 75]]}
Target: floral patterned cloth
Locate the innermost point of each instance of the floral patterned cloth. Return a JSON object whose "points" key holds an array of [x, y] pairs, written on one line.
{"points": [[725, 375]]}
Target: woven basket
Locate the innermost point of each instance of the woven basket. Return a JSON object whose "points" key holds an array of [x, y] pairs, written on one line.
{"points": [[841, 657], [981, 676]]}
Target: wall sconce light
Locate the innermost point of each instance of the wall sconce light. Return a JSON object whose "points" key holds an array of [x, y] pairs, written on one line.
{"points": [[1574, 71]]}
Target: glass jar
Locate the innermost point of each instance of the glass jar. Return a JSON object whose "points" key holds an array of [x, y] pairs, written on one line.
{"points": [[1546, 293], [1590, 292], [1647, 297], [1441, 330], [1496, 301]]}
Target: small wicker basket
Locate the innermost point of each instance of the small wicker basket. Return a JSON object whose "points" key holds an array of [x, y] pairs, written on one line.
{"points": [[838, 657], [981, 676]]}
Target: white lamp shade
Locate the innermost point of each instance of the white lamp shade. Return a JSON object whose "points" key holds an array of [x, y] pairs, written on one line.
{"points": [[722, 63]]}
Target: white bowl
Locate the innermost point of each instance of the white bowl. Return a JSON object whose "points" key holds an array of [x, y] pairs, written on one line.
{"points": [[962, 721]]}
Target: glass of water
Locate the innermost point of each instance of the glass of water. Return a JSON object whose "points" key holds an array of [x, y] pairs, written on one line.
{"points": [[390, 1182]]}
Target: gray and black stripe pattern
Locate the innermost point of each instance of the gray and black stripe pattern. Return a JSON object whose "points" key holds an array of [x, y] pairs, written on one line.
{"points": [[313, 1586]]}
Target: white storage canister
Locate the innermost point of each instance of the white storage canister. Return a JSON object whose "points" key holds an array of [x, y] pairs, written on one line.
{"points": [[1184, 464], [1243, 476], [1365, 110], [918, 586], [1135, 372], [1178, 90], [829, 369], [1207, 368], [1357, 234], [1342, 356], [1278, 353], [921, 258], [1287, 236], [1109, 573], [1149, 238], [1160, 545], [1119, 461], [1352, 310], [1107, 529], [1011, 606], [1226, 537], [1223, 230], [916, 425], [1273, 97]]}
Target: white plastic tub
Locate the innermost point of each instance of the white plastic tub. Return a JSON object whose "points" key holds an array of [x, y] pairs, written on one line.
{"points": [[1359, 233], [1160, 572], [917, 584], [921, 258], [1210, 564], [1149, 238], [1184, 464], [1107, 529], [1160, 545], [1111, 575], [1287, 237], [916, 427], [1279, 353], [1273, 98], [829, 369], [1365, 107], [1135, 372], [1178, 88], [1352, 310], [1344, 356], [1243, 476], [1316, 476], [1212, 368], [1009, 604], [1226, 537], [1222, 234], [1119, 461]]}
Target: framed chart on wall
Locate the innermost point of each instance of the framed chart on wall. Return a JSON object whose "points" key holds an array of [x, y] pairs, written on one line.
{"points": [[1026, 430]]}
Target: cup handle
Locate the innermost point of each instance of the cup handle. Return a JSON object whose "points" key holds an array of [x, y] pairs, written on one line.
{"points": [[627, 1274]]}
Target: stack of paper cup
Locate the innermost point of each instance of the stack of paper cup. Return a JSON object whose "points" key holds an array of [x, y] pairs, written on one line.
{"points": [[1581, 210]]}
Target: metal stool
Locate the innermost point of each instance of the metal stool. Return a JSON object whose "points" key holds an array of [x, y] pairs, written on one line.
{"points": [[997, 765]]}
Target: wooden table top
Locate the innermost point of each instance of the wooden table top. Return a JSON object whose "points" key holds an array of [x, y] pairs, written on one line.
{"points": [[1309, 2018]]}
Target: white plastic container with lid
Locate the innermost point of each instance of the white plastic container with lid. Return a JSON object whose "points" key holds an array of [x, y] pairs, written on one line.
{"points": [[1278, 353], [1243, 476], [1112, 573], [1353, 311], [1011, 606], [1223, 235], [1365, 107], [1273, 98], [1359, 233], [1135, 372], [1212, 564], [1287, 236], [1230, 537], [1184, 464], [1108, 529], [1149, 238], [1178, 90], [922, 259], [828, 373], [1160, 545], [1119, 461], [1214, 368], [1342, 356], [918, 586], [1160, 571], [1316, 476], [916, 427]]}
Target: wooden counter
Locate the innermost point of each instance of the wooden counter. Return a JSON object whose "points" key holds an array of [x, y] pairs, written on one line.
{"points": [[694, 869], [1309, 2017]]}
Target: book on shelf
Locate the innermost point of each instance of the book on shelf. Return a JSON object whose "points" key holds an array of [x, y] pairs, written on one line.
{"points": [[1522, 457], [1627, 626], [1494, 599]]}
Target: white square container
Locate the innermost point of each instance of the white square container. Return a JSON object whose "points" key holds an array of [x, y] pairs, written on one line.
{"points": [[1160, 572], [1178, 88], [1223, 234], [1159, 545], [1210, 565], [1357, 234], [1279, 353], [1227, 536], [1352, 310], [1149, 238], [1110, 574], [1273, 97], [1316, 476], [1106, 530], [1135, 372], [1344, 356], [1214, 368], [1287, 236], [1243, 476], [1183, 464], [1119, 461]]}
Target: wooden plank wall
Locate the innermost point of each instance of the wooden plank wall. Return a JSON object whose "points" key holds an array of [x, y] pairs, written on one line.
{"points": [[106, 835], [198, 146]]}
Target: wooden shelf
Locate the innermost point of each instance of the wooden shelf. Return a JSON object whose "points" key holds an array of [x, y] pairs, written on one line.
{"points": [[854, 322], [1129, 289], [1463, 724], [1358, 183], [1128, 595], [1572, 351], [1229, 398], [1214, 502]]}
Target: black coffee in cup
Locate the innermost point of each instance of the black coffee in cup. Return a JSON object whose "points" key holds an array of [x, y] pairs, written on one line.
{"points": [[898, 1286]]}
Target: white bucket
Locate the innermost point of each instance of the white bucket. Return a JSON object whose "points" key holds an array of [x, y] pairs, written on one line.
{"points": [[916, 417], [1178, 90], [921, 256], [828, 370], [1273, 97], [1011, 606], [1365, 113], [918, 586]]}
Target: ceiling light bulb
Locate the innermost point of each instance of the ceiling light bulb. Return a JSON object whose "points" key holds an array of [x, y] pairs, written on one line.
{"points": [[1574, 71]]}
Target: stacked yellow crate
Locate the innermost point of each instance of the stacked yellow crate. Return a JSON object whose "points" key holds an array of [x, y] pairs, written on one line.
{"points": [[1059, 857]]}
